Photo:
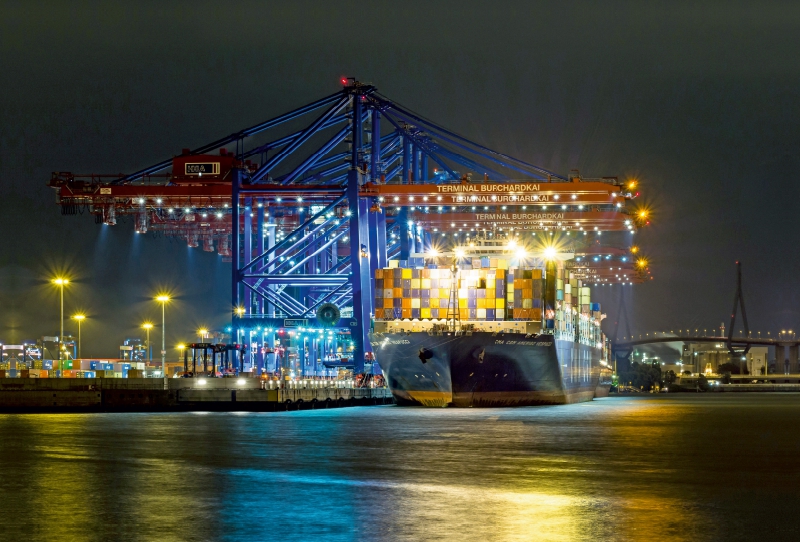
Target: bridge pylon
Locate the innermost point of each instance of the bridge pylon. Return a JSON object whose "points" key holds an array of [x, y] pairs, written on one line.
{"points": [[738, 299]]}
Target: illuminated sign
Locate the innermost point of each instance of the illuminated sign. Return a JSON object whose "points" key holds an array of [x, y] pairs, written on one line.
{"points": [[488, 187], [202, 168], [295, 323]]}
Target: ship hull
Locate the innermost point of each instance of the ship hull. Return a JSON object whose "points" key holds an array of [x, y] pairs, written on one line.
{"points": [[487, 369]]}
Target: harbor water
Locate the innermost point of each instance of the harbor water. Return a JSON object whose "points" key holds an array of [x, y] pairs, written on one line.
{"points": [[667, 467]]}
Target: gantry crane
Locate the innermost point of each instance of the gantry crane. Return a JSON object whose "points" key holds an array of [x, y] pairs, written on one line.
{"points": [[309, 204]]}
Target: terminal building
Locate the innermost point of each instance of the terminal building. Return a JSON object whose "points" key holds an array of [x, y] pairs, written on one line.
{"points": [[708, 357]]}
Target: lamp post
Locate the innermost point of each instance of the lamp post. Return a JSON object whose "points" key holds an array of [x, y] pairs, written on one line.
{"points": [[147, 327], [79, 318], [60, 282], [163, 299]]}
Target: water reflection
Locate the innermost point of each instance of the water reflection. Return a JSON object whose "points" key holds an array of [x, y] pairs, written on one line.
{"points": [[621, 469]]}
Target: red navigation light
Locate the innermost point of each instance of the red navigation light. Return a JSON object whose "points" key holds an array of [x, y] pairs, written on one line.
{"points": [[280, 332], [637, 194], [343, 80]]}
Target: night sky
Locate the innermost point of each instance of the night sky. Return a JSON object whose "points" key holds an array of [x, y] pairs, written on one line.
{"points": [[699, 101]]}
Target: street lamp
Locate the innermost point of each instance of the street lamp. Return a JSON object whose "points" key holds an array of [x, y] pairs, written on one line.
{"points": [[163, 299], [79, 318], [202, 333], [60, 282], [148, 326]]}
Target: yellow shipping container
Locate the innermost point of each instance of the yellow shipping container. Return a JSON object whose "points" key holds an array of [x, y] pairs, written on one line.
{"points": [[481, 303], [490, 293], [500, 303], [406, 273], [434, 302], [464, 314], [502, 264], [425, 313], [415, 283], [463, 303]]}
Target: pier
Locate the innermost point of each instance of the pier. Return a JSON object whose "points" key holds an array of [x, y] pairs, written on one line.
{"points": [[183, 394]]}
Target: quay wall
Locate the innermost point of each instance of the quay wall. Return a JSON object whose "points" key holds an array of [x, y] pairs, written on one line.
{"points": [[148, 394]]}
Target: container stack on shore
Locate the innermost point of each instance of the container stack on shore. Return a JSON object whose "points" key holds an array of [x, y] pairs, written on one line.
{"points": [[79, 368]]}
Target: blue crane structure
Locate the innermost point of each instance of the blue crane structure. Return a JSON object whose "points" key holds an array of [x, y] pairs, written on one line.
{"points": [[305, 229]]}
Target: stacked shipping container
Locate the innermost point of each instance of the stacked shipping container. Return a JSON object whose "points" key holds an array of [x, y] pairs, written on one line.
{"points": [[487, 290]]}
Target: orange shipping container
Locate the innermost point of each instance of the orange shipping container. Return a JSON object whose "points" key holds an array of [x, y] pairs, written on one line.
{"points": [[406, 313], [379, 273], [527, 293], [406, 303]]}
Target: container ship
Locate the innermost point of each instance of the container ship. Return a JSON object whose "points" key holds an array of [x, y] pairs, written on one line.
{"points": [[488, 331]]}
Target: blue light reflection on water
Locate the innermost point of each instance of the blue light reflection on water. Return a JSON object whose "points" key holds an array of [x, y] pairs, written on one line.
{"points": [[684, 468]]}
